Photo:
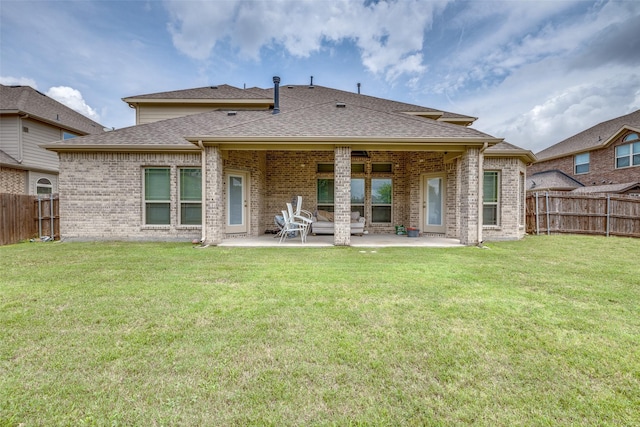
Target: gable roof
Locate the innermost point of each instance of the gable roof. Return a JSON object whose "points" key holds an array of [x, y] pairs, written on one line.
{"points": [[595, 137], [610, 188], [26, 100], [307, 117], [552, 180]]}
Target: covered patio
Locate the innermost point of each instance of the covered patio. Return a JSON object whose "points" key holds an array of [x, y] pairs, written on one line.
{"points": [[364, 241]]}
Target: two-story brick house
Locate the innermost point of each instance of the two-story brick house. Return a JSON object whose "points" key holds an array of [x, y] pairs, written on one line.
{"points": [[218, 162], [603, 158], [29, 118]]}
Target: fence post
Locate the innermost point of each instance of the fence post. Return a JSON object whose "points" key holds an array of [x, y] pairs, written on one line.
{"points": [[39, 216], [546, 195], [53, 234], [608, 212], [537, 220]]}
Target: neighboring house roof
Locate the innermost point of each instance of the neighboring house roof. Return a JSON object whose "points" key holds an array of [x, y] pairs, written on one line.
{"points": [[610, 188], [28, 101], [552, 180], [307, 116], [595, 137], [7, 160]]}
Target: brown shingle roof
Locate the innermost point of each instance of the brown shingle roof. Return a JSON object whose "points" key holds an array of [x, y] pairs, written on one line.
{"points": [[609, 188], [553, 180], [207, 92], [26, 100], [590, 139], [305, 113]]}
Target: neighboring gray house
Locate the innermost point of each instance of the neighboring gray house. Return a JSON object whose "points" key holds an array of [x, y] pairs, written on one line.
{"points": [[602, 159], [29, 118], [218, 162]]}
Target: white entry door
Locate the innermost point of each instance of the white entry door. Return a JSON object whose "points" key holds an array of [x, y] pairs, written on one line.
{"points": [[237, 203], [433, 204]]}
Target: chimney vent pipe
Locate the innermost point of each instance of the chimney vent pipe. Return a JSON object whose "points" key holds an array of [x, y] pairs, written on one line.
{"points": [[276, 94], [358, 88]]}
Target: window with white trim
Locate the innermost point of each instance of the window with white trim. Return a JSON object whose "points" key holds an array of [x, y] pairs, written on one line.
{"points": [[44, 186], [581, 163], [190, 184], [628, 155], [491, 198], [157, 196]]}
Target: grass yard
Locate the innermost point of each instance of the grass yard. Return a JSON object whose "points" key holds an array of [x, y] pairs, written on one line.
{"points": [[544, 331]]}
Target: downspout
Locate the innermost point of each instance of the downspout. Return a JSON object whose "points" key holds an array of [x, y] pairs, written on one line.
{"points": [[481, 191], [203, 156]]}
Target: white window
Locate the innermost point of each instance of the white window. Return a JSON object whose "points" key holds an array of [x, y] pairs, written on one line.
{"points": [[44, 186], [491, 198], [581, 162], [629, 154]]}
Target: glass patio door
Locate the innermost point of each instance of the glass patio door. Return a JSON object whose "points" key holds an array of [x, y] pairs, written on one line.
{"points": [[434, 205], [237, 203]]}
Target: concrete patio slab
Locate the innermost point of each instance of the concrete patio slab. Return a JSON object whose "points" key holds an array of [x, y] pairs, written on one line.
{"points": [[367, 241]]}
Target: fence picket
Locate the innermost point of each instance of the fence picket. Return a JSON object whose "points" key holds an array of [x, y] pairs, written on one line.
{"points": [[603, 214]]}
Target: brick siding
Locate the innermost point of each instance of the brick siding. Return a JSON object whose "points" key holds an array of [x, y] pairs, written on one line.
{"points": [[13, 181], [101, 193], [602, 167]]}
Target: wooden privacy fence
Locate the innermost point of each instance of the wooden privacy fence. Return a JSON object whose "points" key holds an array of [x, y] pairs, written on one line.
{"points": [[598, 214], [28, 217]]}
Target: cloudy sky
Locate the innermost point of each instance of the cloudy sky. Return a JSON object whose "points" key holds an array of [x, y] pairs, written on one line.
{"points": [[534, 72]]}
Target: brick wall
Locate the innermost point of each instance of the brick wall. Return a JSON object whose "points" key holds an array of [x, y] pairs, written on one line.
{"points": [[101, 193], [601, 167], [511, 202], [13, 181], [101, 196]]}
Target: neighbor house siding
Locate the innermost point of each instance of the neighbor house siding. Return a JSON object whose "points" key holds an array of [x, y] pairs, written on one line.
{"points": [[10, 136], [33, 134], [101, 196]]}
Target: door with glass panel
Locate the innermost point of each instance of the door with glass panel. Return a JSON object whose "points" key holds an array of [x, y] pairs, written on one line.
{"points": [[433, 204], [237, 202]]}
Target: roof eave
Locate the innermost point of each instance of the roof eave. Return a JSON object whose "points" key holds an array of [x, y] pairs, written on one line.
{"points": [[362, 142], [113, 148], [526, 155]]}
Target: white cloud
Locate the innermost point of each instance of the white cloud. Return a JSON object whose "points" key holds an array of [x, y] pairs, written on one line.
{"points": [[388, 34], [73, 99], [18, 81]]}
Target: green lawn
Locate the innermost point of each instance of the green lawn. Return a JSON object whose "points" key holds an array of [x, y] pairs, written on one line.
{"points": [[544, 331]]}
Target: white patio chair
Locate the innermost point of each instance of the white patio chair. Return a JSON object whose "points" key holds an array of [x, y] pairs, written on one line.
{"points": [[299, 218], [301, 213], [290, 225]]}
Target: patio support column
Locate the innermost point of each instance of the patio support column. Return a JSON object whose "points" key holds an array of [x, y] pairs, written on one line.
{"points": [[213, 204], [469, 196], [342, 197]]}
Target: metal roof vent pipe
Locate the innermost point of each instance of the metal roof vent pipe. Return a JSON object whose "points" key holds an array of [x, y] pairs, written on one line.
{"points": [[311, 84], [276, 95], [358, 88]]}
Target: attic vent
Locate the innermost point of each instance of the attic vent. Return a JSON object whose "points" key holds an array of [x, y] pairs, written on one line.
{"points": [[340, 105], [25, 129], [289, 87], [214, 87], [231, 113]]}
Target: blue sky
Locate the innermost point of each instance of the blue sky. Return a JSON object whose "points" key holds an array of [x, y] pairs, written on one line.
{"points": [[534, 72]]}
